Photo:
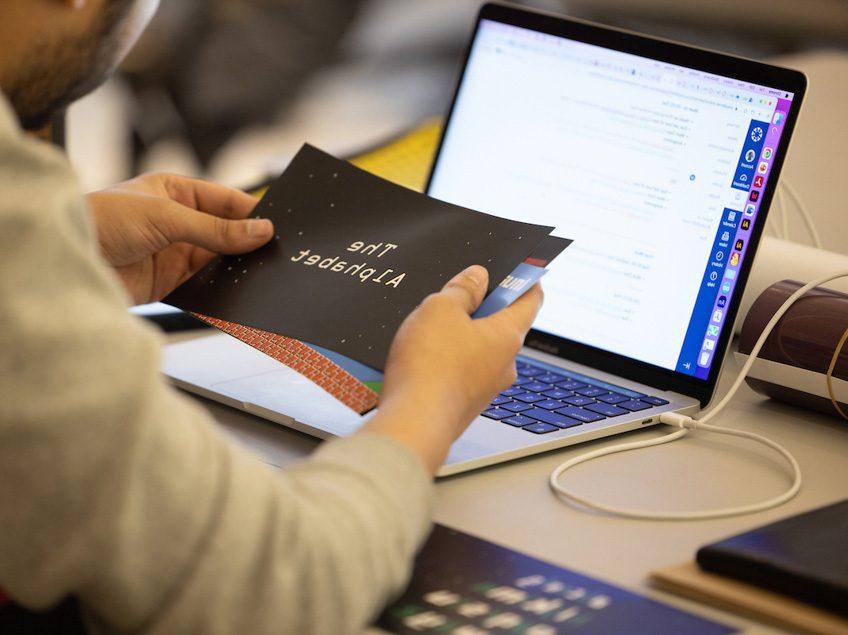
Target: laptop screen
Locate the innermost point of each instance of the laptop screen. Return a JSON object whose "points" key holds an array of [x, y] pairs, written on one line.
{"points": [[655, 170]]}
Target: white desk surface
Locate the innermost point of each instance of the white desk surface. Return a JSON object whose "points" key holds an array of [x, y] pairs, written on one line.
{"points": [[511, 504]]}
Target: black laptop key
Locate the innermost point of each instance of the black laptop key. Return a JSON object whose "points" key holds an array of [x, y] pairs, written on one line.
{"points": [[578, 400], [516, 406], [591, 391], [529, 397], [634, 404], [497, 414], [549, 404], [581, 414], [519, 421], [654, 401], [553, 418], [497, 401], [512, 392], [540, 428], [557, 393], [536, 386], [568, 422], [570, 384], [550, 378], [529, 371], [613, 398], [608, 410]]}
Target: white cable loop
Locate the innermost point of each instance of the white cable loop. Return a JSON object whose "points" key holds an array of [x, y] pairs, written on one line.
{"points": [[805, 214], [687, 423], [784, 214]]}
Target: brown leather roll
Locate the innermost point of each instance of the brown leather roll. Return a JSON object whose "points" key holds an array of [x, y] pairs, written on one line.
{"points": [[810, 336]]}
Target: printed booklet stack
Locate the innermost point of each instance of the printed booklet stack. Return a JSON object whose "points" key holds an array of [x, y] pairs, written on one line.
{"points": [[353, 255]]}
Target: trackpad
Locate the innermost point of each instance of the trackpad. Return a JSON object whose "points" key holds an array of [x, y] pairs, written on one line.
{"points": [[288, 393]]}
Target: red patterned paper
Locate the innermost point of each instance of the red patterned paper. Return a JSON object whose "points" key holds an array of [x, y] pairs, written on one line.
{"points": [[304, 360]]}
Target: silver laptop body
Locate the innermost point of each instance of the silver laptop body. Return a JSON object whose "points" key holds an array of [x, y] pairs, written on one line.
{"points": [[658, 159]]}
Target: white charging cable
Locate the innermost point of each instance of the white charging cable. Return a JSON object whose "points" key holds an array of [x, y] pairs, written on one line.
{"points": [[685, 423], [805, 214], [781, 213]]}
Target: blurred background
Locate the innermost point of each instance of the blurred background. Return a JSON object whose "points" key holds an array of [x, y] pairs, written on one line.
{"points": [[230, 89]]}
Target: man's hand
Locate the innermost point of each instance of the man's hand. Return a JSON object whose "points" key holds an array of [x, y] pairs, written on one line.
{"points": [[160, 229], [444, 367]]}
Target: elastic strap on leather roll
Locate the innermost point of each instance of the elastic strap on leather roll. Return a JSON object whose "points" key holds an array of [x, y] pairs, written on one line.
{"points": [[829, 376]]}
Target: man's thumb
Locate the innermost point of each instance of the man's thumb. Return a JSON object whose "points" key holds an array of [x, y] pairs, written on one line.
{"points": [[468, 287], [220, 235]]}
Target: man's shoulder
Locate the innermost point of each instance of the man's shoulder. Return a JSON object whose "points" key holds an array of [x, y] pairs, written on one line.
{"points": [[28, 148], [36, 180], [11, 133]]}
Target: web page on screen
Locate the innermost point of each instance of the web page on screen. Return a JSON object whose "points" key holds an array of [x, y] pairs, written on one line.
{"points": [[654, 170]]}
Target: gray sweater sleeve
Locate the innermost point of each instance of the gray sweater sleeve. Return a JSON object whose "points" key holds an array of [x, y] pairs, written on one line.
{"points": [[119, 491]]}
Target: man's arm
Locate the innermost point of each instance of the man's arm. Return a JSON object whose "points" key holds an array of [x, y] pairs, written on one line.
{"points": [[117, 490]]}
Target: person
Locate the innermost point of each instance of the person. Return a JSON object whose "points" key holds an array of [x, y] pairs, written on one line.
{"points": [[267, 51], [115, 489]]}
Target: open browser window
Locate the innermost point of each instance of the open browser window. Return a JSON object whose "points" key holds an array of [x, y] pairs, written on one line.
{"points": [[655, 170]]}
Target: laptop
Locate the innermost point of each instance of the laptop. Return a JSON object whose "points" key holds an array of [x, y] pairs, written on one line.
{"points": [[660, 160]]}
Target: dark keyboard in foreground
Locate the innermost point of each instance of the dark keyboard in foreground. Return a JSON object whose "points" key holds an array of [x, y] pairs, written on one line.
{"points": [[542, 401]]}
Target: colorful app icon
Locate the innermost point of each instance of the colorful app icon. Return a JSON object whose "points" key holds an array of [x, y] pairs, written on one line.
{"points": [[705, 359], [755, 195], [762, 168], [746, 224], [750, 208], [767, 153], [739, 245], [730, 274], [758, 181], [778, 118], [722, 302], [717, 315], [725, 288], [734, 260], [750, 155], [709, 344], [712, 330]]}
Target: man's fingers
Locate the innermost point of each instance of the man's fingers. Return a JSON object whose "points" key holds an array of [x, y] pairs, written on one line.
{"points": [[468, 287], [522, 313], [207, 197], [220, 235], [199, 258]]}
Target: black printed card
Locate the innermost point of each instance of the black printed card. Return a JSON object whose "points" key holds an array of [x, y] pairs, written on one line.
{"points": [[353, 256]]}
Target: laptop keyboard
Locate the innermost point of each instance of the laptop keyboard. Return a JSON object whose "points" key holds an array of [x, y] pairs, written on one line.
{"points": [[541, 401]]}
